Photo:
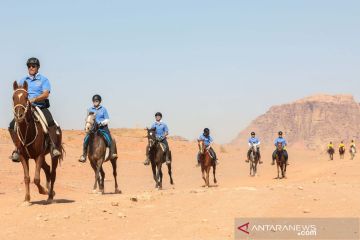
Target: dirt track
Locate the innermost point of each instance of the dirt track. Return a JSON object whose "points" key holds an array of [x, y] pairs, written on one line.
{"points": [[315, 187]]}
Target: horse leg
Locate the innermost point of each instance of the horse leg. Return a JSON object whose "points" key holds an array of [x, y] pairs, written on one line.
{"points": [[278, 169], [208, 176], [160, 175], [93, 166], [114, 166], [170, 174], [54, 164], [102, 180], [25, 164], [97, 174], [39, 162], [203, 173], [47, 171], [153, 167], [214, 172]]}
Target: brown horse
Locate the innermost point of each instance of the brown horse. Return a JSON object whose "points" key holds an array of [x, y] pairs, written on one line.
{"points": [[331, 152], [157, 158], [342, 152], [33, 143], [97, 153], [206, 163], [280, 162]]}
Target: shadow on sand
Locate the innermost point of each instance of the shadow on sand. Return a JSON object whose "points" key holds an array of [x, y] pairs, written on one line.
{"points": [[57, 201]]}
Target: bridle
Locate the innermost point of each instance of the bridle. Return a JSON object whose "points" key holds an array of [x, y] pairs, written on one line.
{"points": [[18, 119], [26, 107]]}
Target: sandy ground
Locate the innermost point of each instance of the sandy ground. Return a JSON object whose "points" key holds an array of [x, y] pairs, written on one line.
{"points": [[315, 187]]}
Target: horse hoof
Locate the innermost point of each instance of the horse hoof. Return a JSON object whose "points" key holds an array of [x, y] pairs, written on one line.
{"points": [[94, 191], [26, 204], [117, 191], [49, 200]]}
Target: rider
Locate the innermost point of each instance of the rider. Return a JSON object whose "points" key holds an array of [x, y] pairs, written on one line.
{"points": [[38, 92], [342, 145], [281, 140], [102, 120], [253, 141], [330, 146], [208, 140], [352, 144], [161, 131]]}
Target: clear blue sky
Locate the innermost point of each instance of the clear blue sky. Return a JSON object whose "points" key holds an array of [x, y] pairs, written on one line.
{"points": [[203, 63]]}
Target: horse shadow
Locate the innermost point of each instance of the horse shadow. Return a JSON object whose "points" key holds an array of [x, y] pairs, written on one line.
{"points": [[55, 201]]}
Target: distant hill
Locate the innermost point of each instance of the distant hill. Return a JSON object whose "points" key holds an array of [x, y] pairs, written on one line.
{"points": [[310, 122]]}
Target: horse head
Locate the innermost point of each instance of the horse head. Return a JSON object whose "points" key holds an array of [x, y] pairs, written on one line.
{"points": [[151, 136], [201, 146], [90, 122], [21, 103]]}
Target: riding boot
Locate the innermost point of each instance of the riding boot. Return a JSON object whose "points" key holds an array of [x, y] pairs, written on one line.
{"points": [[248, 157], [260, 162], [168, 157], [83, 156], [53, 141], [113, 154], [15, 157]]}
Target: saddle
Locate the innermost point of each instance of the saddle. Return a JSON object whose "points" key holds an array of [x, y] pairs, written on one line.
{"points": [[39, 115], [163, 146]]}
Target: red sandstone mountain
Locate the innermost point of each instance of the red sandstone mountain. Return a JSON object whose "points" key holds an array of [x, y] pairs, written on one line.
{"points": [[310, 122]]}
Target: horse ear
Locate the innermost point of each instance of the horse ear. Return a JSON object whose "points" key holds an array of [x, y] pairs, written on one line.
{"points": [[15, 85], [25, 86]]}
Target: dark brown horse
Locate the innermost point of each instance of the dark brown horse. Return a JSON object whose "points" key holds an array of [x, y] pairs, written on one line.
{"points": [[97, 153], [157, 158], [331, 152], [342, 152], [206, 163], [280, 162], [33, 143]]}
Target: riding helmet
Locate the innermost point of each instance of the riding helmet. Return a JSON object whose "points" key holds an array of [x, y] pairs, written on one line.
{"points": [[33, 61], [206, 131], [280, 133], [158, 114], [96, 97], [253, 133]]}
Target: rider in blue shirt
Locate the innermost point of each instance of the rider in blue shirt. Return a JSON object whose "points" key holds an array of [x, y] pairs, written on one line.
{"points": [[253, 141], [102, 120], [208, 140], [281, 140], [39, 89], [161, 131]]}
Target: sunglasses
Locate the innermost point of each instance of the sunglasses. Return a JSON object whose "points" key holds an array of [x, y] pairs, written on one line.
{"points": [[32, 66]]}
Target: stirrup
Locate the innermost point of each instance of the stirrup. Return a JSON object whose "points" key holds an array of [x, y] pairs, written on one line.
{"points": [[56, 153], [15, 157], [147, 162], [82, 159]]}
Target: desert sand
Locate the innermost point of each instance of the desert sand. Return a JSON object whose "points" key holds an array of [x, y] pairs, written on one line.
{"points": [[315, 187]]}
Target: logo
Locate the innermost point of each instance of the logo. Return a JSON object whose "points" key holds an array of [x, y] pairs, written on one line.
{"points": [[244, 228]]}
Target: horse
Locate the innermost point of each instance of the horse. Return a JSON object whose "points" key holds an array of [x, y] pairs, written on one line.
{"points": [[97, 154], [331, 152], [206, 163], [341, 152], [280, 162], [157, 158], [254, 160], [352, 152], [33, 143]]}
